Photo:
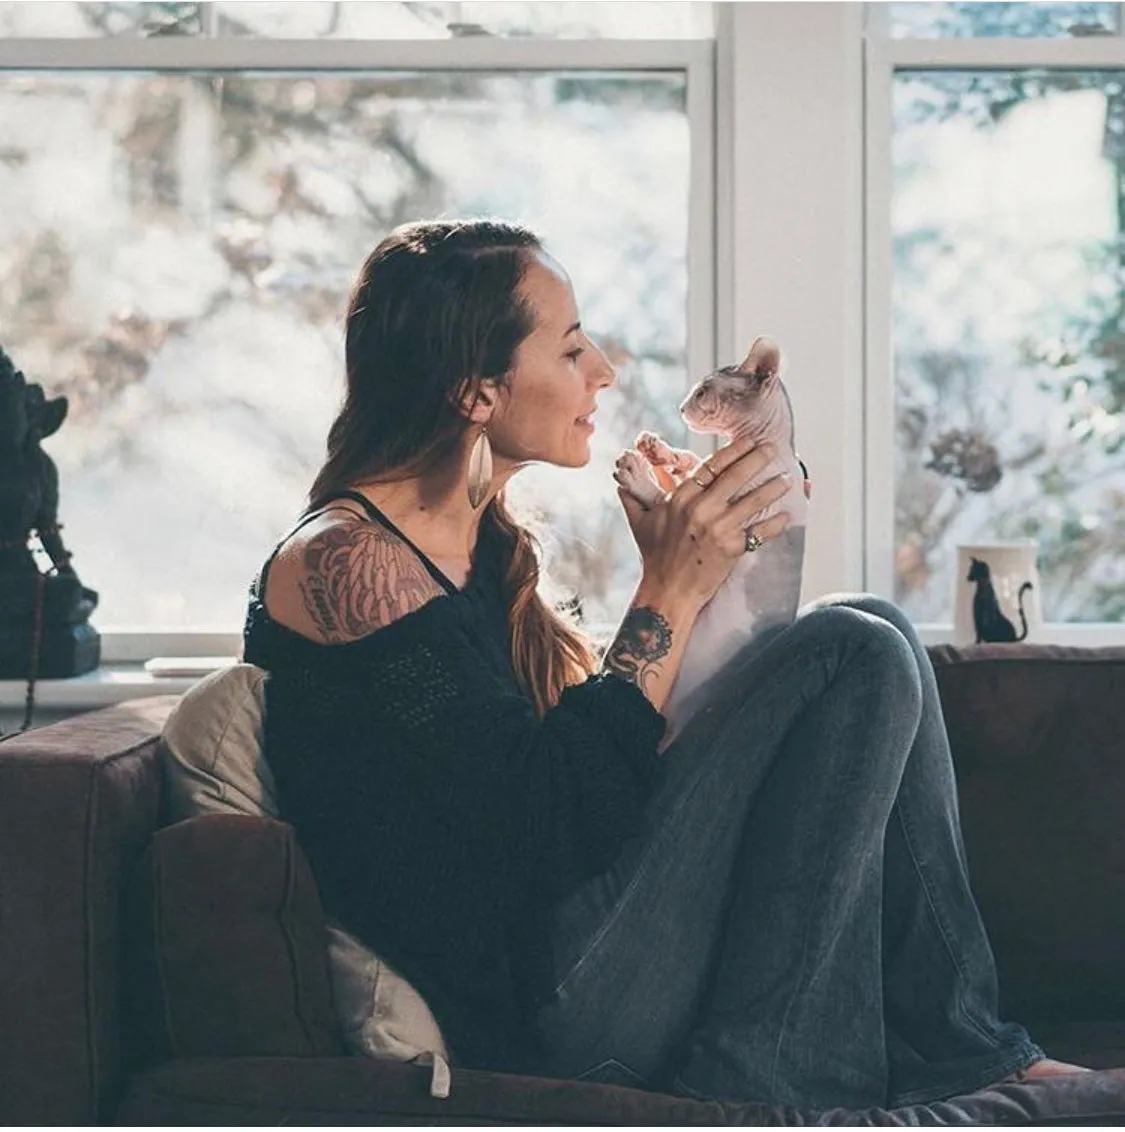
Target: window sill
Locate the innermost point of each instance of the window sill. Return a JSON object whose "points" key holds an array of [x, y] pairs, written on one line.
{"points": [[118, 681], [1072, 634], [105, 686]]}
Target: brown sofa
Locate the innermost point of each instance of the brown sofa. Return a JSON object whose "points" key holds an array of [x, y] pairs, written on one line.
{"points": [[154, 974]]}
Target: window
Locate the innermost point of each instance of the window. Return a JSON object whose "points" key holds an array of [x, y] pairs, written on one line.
{"points": [[996, 284], [318, 19], [1038, 19], [189, 191]]}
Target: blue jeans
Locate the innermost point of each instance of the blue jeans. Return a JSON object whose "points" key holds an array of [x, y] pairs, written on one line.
{"points": [[796, 924]]}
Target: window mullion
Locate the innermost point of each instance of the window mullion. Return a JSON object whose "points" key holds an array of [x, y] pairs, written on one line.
{"points": [[701, 247], [877, 21], [879, 386], [208, 19]]}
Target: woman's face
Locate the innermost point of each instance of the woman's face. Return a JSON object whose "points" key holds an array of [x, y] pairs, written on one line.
{"points": [[556, 376]]}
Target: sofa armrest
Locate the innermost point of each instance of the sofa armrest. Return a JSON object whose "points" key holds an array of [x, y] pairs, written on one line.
{"points": [[79, 800]]}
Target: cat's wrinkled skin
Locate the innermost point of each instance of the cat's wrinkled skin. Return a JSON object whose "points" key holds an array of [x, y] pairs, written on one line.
{"points": [[762, 591]]}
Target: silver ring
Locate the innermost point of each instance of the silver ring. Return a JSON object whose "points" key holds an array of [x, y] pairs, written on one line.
{"points": [[752, 542], [704, 468]]}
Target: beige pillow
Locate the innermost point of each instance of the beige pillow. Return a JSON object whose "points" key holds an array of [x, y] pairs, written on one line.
{"points": [[212, 747], [214, 764]]}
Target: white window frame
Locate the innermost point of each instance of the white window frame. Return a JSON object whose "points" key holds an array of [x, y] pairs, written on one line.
{"points": [[790, 253], [790, 235], [883, 57], [695, 58]]}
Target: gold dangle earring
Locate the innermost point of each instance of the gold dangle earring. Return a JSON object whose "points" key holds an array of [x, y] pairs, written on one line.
{"points": [[480, 469]]}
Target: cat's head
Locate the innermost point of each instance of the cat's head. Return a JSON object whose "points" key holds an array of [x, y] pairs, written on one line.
{"points": [[726, 400], [978, 570]]}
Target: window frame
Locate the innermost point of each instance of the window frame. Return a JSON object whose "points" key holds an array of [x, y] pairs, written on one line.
{"points": [[809, 87], [694, 58], [883, 57]]}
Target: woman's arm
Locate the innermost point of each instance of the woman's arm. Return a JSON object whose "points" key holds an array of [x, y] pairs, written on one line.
{"points": [[649, 646]]}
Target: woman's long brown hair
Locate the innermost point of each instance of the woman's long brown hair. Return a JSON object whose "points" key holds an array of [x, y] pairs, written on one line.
{"points": [[436, 310]]}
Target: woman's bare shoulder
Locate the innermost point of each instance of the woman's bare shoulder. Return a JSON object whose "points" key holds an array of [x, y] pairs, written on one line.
{"points": [[342, 577]]}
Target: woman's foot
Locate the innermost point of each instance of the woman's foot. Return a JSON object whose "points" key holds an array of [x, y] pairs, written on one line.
{"points": [[1045, 1067]]}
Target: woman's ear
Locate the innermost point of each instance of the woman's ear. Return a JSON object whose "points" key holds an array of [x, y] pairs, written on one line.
{"points": [[476, 400]]}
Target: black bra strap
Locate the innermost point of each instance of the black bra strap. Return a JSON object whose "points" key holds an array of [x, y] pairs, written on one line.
{"points": [[377, 516], [263, 574]]}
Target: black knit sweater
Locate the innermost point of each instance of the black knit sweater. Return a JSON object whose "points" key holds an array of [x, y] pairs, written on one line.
{"points": [[441, 818]]}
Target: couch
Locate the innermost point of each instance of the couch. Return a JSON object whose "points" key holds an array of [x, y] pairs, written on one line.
{"points": [[175, 974]]}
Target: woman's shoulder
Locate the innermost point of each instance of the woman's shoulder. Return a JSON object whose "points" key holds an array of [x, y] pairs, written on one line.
{"points": [[342, 577]]}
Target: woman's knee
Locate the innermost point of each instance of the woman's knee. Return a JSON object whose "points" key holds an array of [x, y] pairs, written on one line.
{"points": [[870, 645], [877, 606]]}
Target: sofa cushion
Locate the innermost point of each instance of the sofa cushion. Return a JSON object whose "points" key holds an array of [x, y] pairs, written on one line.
{"points": [[354, 1091], [215, 764], [225, 941]]}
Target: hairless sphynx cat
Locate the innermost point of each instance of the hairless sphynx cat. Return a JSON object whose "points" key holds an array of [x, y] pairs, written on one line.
{"points": [[762, 592]]}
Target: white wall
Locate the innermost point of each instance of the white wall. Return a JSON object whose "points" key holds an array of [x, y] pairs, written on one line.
{"points": [[791, 240]]}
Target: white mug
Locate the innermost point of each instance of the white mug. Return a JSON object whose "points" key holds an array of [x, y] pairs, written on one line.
{"points": [[996, 596]]}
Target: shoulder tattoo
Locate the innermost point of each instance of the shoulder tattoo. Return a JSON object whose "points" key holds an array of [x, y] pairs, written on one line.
{"points": [[360, 577], [642, 642]]}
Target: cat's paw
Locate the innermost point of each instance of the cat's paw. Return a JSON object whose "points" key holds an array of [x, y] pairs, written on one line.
{"points": [[653, 448], [632, 472], [669, 465], [662, 456]]}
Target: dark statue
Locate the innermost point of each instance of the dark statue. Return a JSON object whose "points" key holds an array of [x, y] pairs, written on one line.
{"points": [[44, 630]]}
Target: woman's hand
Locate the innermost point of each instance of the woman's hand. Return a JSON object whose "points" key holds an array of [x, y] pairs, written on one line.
{"points": [[691, 538]]}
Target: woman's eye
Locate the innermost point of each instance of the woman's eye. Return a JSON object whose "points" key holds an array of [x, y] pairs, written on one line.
{"points": [[575, 354]]}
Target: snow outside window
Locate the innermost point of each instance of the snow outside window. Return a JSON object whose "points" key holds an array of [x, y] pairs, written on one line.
{"points": [[998, 362], [176, 248]]}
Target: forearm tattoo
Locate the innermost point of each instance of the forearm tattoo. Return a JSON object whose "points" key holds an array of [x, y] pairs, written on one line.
{"points": [[359, 578], [644, 639]]}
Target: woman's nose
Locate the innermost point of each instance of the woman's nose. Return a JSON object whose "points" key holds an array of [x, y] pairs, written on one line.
{"points": [[604, 370]]}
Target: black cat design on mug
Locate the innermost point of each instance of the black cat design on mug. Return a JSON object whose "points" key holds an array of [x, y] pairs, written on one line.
{"points": [[992, 627]]}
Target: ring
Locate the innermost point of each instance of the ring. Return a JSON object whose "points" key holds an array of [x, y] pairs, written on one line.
{"points": [[752, 541], [704, 468]]}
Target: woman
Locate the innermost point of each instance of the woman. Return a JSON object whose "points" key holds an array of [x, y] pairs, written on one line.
{"points": [[777, 908]]}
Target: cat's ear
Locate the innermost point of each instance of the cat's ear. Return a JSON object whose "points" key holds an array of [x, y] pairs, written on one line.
{"points": [[764, 357]]}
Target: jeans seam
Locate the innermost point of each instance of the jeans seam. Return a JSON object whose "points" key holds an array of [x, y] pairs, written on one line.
{"points": [[937, 914], [608, 923], [798, 981], [814, 903], [684, 798], [634, 880], [906, 822], [643, 1082]]}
